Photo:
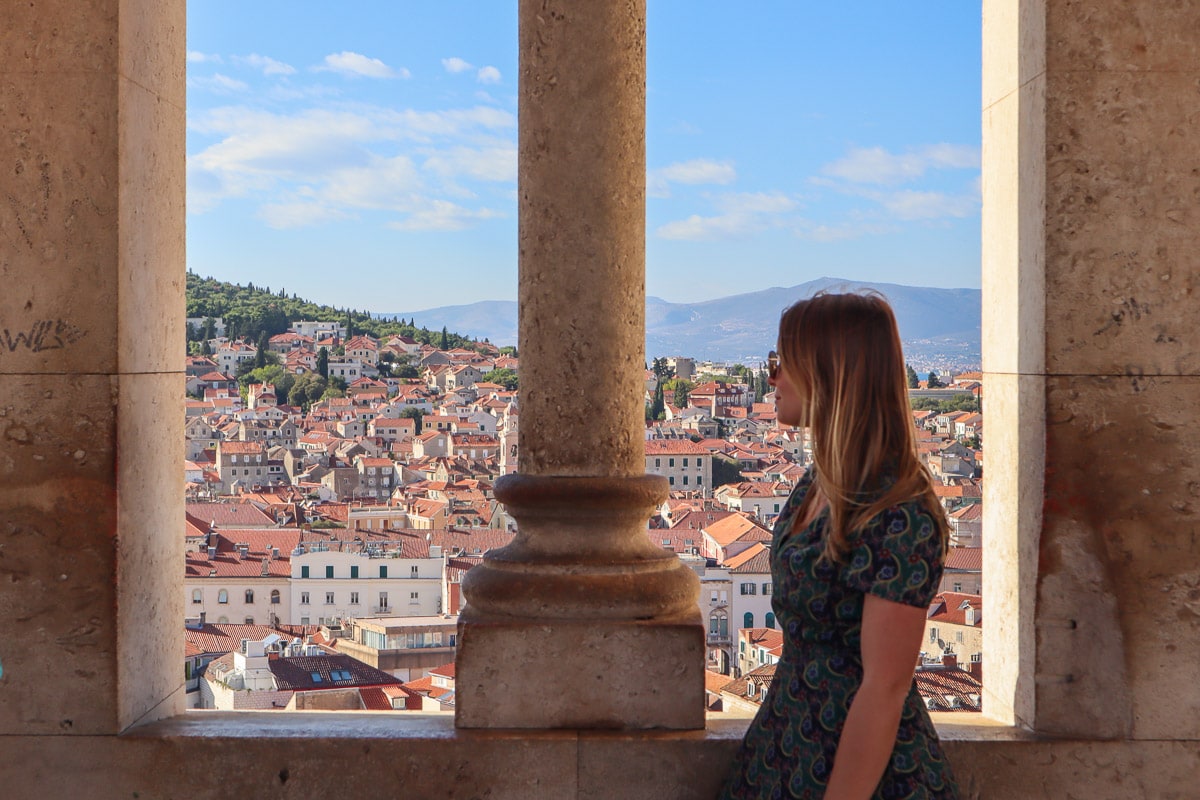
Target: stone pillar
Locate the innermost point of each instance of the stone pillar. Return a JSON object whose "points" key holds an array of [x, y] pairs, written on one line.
{"points": [[1092, 354], [581, 621], [91, 253]]}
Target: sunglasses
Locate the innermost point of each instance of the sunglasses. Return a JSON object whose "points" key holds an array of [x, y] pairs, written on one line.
{"points": [[772, 365]]}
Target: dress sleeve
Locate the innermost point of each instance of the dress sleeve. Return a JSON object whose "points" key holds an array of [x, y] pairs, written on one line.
{"points": [[897, 556]]}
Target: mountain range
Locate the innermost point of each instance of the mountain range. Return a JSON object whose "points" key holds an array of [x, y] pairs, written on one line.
{"points": [[940, 327]]}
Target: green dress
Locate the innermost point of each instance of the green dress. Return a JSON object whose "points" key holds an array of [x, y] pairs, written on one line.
{"points": [[789, 749]]}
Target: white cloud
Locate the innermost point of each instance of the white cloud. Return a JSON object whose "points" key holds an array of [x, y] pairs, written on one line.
{"points": [[744, 214], [268, 65], [695, 172], [912, 205], [318, 165], [196, 57], [497, 163], [488, 74], [298, 215], [455, 64], [441, 215], [874, 165], [218, 83], [348, 63]]}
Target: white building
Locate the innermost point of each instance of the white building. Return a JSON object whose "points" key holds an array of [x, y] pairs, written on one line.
{"points": [[329, 584]]}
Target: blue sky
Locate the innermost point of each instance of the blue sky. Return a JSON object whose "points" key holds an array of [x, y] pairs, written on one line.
{"points": [[363, 154]]}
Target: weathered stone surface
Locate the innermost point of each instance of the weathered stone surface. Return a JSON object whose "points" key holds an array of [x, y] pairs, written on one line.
{"points": [[1119, 595], [1096, 35], [564, 673], [58, 233], [581, 171], [151, 300], [58, 521], [1122, 208]]}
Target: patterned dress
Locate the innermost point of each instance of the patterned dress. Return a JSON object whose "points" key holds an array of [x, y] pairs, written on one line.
{"points": [[790, 746]]}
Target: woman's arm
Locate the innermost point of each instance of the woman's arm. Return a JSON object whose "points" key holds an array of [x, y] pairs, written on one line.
{"points": [[891, 641]]}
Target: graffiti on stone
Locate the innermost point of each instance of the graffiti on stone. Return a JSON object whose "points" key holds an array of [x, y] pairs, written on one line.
{"points": [[45, 334]]}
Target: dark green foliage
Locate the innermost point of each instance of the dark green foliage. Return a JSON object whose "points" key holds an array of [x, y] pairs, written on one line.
{"points": [[913, 380], [725, 471], [323, 363], [934, 382], [959, 402], [505, 377], [248, 312], [416, 414]]}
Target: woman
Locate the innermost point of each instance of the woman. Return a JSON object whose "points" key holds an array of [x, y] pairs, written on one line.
{"points": [[856, 559]]}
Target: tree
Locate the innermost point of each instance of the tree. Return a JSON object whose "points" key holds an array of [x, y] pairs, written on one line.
{"points": [[760, 390], [725, 471], [323, 362], [414, 413], [264, 348], [445, 345], [658, 409], [934, 382], [508, 350], [505, 377], [913, 381]]}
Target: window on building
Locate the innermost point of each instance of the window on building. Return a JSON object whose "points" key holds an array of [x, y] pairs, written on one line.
{"points": [[354, 571], [670, 462], [329, 598], [685, 462], [658, 462], [249, 620], [274, 597], [770, 619], [383, 599], [414, 571], [685, 480], [414, 595], [672, 480], [383, 570], [748, 620], [748, 588], [354, 598], [958, 586], [197, 596], [959, 636], [249, 595], [933, 634], [699, 480], [304, 598], [329, 570], [766, 589], [304, 572], [223, 596]]}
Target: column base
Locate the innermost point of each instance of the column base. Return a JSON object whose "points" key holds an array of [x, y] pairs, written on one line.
{"points": [[554, 673]]}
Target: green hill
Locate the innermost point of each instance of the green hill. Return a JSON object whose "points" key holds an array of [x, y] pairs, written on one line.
{"points": [[249, 312]]}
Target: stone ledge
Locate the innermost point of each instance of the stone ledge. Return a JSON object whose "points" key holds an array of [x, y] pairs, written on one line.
{"points": [[318, 755]]}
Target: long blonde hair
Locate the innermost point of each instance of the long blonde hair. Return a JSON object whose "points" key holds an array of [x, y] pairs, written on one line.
{"points": [[842, 353]]}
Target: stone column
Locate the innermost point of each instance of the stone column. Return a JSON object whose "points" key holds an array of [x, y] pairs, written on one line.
{"points": [[581, 621], [1092, 355], [91, 411]]}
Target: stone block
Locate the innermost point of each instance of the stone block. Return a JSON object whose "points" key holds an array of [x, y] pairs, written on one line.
{"points": [[150, 605], [61, 36], [1013, 228], [1014, 421], [59, 230], [58, 550], [153, 47], [151, 304], [1122, 223], [1014, 46], [1119, 592], [602, 674], [1095, 35]]}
